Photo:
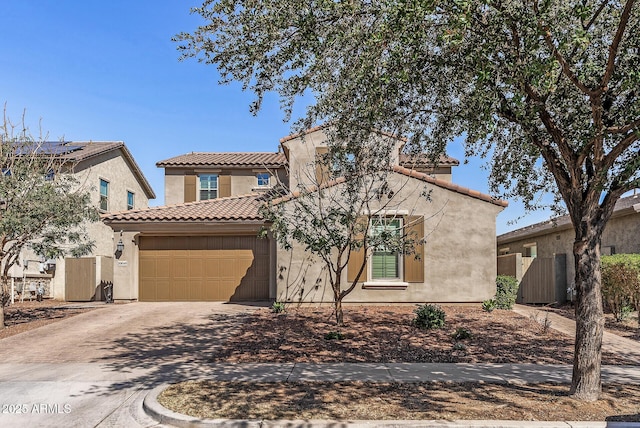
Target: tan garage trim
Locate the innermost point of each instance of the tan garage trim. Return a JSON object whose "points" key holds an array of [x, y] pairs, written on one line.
{"points": [[205, 268]]}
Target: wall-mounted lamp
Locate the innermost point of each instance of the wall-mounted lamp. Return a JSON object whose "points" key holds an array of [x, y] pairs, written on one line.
{"points": [[119, 247]]}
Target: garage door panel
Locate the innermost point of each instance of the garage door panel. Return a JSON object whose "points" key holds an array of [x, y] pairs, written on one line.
{"points": [[163, 290], [204, 268], [196, 265]]}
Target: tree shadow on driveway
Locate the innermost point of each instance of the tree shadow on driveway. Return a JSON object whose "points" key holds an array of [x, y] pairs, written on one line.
{"points": [[168, 354]]}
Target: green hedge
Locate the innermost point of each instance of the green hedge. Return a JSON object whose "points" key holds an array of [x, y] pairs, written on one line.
{"points": [[506, 291], [621, 283]]}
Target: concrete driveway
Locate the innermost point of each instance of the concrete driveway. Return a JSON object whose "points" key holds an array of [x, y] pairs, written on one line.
{"points": [[94, 369]]}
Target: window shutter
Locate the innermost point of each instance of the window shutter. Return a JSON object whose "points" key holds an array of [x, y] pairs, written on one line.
{"points": [[190, 188], [356, 259], [414, 268], [224, 186], [322, 165]]}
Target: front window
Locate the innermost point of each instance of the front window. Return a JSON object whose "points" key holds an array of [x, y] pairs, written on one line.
{"points": [[530, 250], [104, 195], [208, 187], [263, 179], [385, 264], [130, 200]]}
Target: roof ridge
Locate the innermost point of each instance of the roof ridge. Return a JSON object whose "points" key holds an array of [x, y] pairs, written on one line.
{"points": [[448, 185]]}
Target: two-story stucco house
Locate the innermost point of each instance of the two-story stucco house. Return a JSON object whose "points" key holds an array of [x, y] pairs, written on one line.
{"points": [[109, 172], [204, 245]]}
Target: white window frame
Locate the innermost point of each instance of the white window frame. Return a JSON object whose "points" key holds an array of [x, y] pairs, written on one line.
{"points": [[258, 177], [400, 259], [200, 189], [133, 200], [101, 196]]}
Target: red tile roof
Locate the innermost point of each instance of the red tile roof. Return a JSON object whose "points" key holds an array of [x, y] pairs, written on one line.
{"points": [[232, 208], [423, 161], [450, 186], [237, 160]]}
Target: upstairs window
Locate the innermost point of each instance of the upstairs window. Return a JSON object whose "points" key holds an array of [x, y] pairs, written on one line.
{"points": [[208, 187], [263, 179], [104, 195], [130, 200]]}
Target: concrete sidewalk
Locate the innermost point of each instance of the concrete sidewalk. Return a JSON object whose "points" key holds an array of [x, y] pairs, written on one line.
{"points": [[410, 372]]}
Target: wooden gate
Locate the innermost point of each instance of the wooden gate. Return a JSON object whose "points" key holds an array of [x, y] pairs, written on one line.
{"points": [[542, 280], [85, 277]]}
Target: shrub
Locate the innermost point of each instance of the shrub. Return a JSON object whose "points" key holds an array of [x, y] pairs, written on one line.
{"points": [[506, 291], [334, 335], [458, 346], [429, 316], [489, 305], [277, 307], [621, 284], [462, 333]]}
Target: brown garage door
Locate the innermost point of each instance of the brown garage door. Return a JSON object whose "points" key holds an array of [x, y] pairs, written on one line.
{"points": [[204, 268]]}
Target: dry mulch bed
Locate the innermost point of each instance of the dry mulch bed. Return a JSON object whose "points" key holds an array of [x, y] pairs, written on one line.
{"points": [[380, 401], [387, 334], [28, 315]]}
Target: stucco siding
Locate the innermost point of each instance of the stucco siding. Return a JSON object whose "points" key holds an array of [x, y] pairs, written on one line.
{"points": [[459, 253]]}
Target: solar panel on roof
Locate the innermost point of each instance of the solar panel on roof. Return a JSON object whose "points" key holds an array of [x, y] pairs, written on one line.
{"points": [[47, 148]]}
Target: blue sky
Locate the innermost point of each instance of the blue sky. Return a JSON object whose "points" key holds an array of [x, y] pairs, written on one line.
{"points": [[108, 70]]}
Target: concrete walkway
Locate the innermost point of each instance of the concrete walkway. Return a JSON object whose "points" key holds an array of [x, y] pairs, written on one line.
{"points": [[627, 348]]}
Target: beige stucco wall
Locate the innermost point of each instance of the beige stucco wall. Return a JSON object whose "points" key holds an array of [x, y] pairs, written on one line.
{"points": [[459, 255], [113, 168], [622, 232], [302, 157], [173, 187], [243, 181]]}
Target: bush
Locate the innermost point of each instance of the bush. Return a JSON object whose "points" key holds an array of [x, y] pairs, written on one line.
{"points": [[429, 316], [462, 333], [621, 284], [506, 291], [334, 335], [489, 305], [277, 307]]}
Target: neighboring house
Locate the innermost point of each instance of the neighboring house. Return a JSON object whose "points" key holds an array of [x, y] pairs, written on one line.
{"points": [[541, 255], [209, 249], [108, 171]]}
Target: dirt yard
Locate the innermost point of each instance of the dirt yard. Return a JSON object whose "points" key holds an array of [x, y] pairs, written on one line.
{"points": [[386, 334], [27, 315], [380, 334]]}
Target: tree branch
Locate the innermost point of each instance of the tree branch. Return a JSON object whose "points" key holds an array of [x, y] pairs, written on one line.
{"points": [[615, 44]]}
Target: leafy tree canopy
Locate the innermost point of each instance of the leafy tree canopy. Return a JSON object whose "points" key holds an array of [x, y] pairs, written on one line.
{"points": [[549, 88]]}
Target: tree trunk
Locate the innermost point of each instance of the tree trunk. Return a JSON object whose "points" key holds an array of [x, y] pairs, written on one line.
{"points": [[339, 314], [1, 316], [586, 382]]}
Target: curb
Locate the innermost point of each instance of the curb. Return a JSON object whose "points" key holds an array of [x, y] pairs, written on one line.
{"points": [[163, 415]]}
